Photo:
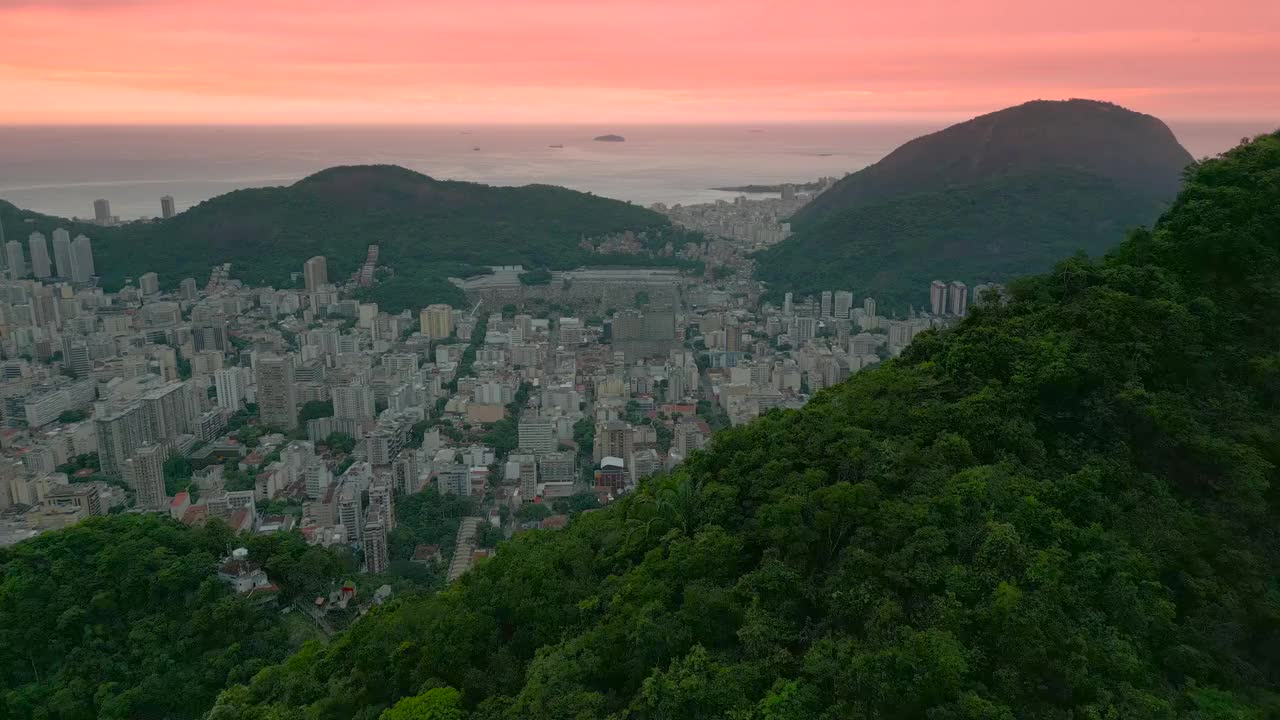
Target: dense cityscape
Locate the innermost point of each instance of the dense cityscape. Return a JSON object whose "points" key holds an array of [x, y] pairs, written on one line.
{"points": [[305, 410]]}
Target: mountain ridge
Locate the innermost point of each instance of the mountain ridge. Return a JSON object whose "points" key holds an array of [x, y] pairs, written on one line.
{"points": [[1094, 136], [427, 229]]}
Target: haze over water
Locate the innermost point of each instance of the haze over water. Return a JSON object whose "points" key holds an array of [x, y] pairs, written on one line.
{"points": [[61, 170]]}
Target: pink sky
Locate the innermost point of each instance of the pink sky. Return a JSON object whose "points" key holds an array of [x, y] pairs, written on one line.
{"points": [[637, 61]]}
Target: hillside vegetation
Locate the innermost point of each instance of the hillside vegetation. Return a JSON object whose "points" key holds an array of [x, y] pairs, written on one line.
{"points": [[1064, 508], [999, 196], [123, 617], [427, 230], [988, 231]]}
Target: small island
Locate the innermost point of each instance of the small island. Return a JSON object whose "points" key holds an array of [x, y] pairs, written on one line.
{"points": [[609, 138]]}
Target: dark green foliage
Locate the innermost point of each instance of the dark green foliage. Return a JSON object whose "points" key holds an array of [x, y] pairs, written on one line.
{"points": [[1138, 152], [986, 232], [123, 618], [1064, 508], [73, 416], [538, 276], [314, 410], [986, 200], [427, 230], [340, 442], [427, 518]]}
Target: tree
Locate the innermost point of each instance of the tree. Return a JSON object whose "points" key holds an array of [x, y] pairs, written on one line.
{"points": [[314, 410], [340, 442], [436, 704], [73, 416]]}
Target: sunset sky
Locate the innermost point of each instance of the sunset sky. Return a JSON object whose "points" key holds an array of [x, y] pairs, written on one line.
{"points": [[637, 61]]}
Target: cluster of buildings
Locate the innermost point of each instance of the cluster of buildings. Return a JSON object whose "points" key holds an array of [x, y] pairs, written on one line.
{"points": [[754, 223]]}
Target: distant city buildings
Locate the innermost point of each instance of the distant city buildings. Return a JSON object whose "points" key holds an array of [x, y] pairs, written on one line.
{"points": [[166, 207], [315, 273], [102, 212]]}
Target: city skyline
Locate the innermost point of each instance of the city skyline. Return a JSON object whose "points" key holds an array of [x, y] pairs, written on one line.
{"points": [[148, 62]]}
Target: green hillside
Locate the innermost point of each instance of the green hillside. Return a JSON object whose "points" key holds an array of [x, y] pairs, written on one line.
{"points": [[427, 230], [122, 617], [1135, 151], [988, 231], [1066, 507], [999, 196]]}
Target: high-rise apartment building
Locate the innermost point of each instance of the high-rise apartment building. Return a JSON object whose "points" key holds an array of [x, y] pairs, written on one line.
{"points": [[381, 505], [62, 253], [958, 299], [788, 304], [39, 249], [351, 513], [149, 283], [436, 321], [869, 307], [315, 273], [826, 303], [166, 207], [938, 297], [230, 386], [352, 402], [144, 471], [102, 212], [187, 289], [842, 304], [537, 435], [277, 397], [81, 259], [15, 260], [376, 559]]}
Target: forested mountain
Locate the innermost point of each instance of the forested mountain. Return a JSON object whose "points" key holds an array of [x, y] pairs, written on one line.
{"points": [[427, 229], [999, 196], [122, 617], [1066, 507]]}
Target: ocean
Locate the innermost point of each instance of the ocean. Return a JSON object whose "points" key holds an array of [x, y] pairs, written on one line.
{"points": [[62, 170]]}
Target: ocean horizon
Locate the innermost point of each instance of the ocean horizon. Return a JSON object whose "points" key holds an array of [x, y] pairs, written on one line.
{"points": [[61, 170]]}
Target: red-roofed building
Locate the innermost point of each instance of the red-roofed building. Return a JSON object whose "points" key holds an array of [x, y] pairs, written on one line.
{"points": [[195, 515], [241, 520], [555, 522], [179, 505]]}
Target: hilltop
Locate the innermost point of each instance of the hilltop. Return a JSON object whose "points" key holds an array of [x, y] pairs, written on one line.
{"points": [[1137, 152], [998, 196], [427, 229], [1065, 507]]}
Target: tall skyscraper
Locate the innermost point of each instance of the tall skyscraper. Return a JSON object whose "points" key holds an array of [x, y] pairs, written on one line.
{"points": [[102, 212], [62, 253], [144, 472], [166, 207], [825, 308], [938, 297], [315, 273], [39, 248], [81, 259], [436, 321], [277, 397], [15, 259], [958, 299], [187, 289], [149, 283], [788, 304], [869, 307]]}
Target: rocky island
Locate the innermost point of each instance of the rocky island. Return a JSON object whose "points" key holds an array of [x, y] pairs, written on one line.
{"points": [[609, 138]]}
